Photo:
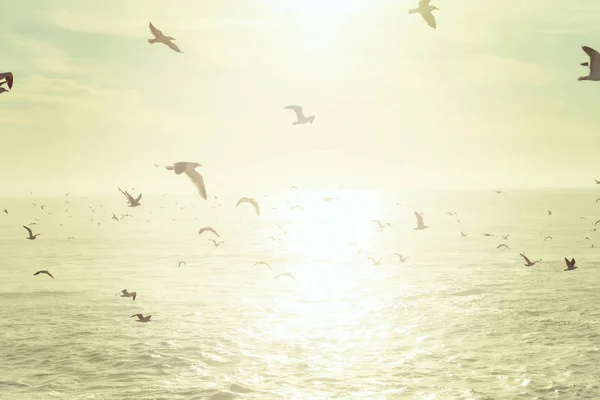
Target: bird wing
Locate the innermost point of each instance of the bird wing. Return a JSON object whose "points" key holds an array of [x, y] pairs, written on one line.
{"points": [[419, 219], [173, 46], [526, 259], [9, 78], [48, 273], [594, 56], [567, 262], [140, 316], [138, 198], [572, 262], [429, 18], [28, 230], [251, 201], [213, 240], [297, 110], [156, 32], [198, 182], [134, 295]]}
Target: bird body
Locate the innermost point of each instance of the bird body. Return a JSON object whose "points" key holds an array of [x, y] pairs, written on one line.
{"points": [[159, 37], [189, 168], [300, 117]]}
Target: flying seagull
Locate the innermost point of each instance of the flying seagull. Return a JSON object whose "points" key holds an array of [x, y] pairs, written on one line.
{"points": [[160, 38], [374, 261], [125, 293], [44, 272], [498, 191], [297, 207], [261, 262], [5, 211], [208, 229], [251, 201], [529, 263], [181, 263], [115, 217], [462, 234], [380, 225], [301, 119], [420, 225], [132, 202], [190, 170], [8, 79], [141, 317], [402, 258], [426, 12], [570, 264], [286, 274], [216, 243], [547, 237], [594, 74], [31, 235], [502, 245], [505, 237]]}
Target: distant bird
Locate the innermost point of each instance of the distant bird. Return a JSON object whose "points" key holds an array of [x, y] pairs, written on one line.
{"points": [[374, 261], [216, 243], [549, 212], [380, 225], [132, 202], [504, 237], [8, 79], [125, 215], [594, 74], [208, 229], [156, 165], [528, 262], [325, 198], [190, 170], [160, 38], [426, 12], [547, 237], [115, 217], [273, 238], [261, 263], [141, 317], [462, 234], [249, 200], [581, 218], [5, 211], [288, 274], [293, 188], [401, 257], [31, 235], [498, 191], [597, 181], [502, 245], [181, 263], [299, 207], [570, 264], [71, 237], [44, 272], [586, 238], [301, 119], [420, 225], [125, 293], [488, 234]]}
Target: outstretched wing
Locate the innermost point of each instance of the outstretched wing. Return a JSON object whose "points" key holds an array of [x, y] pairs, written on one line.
{"points": [[198, 182], [140, 316], [526, 259], [156, 32], [28, 230], [251, 201], [173, 46], [419, 219], [9, 78], [593, 54], [49, 274], [429, 18], [137, 200], [297, 110]]}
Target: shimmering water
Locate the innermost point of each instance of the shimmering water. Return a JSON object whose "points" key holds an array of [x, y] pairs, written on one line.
{"points": [[459, 320]]}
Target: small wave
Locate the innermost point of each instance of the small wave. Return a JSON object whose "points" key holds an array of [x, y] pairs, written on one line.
{"points": [[223, 396], [471, 292]]}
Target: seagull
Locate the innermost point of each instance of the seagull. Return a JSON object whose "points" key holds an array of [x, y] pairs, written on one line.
{"points": [[251, 201], [261, 262], [594, 74], [190, 170], [299, 207], [125, 293], [141, 317], [31, 235], [502, 245], [426, 12], [420, 225], [286, 274], [374, 261], [8, 79], [380, 225], [529, 263], [160, 38], [547, 237], [115, 217], [5, 211], [208, 229], [586, 238], [293, 188], [301, 119], [462, 234], [570, 264], [215, 242], [549, 212], [597, 181], [402, 258], [181, 263], [132, 202], [44, 272], [504, 237], [488, 234]]}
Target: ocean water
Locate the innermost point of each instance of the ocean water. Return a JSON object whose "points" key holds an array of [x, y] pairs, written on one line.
{"points": [[459, 320]]}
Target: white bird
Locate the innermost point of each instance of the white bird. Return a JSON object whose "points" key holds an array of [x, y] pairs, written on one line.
{"points": [[426, 12], [189, 168], [420, 225], [44, 272], [208, 229], [502, 245], [31, 235], [261, 262], [380, 225], [141, 317], [159, 37], [249, 200], [125, 293], [594, 74], [8, 79], [301, 119]]}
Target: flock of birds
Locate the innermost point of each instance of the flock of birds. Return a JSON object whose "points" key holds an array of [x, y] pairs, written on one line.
{"points": [[425, 9]]}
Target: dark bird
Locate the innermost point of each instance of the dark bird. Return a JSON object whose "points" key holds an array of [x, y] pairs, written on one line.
{"points": [[462, 234], [426, 12], [8, 80], [420, 225], [570, 264], [374, 261], [44, 272], [208, 229], [401, 257], [189, 168], [549, 212], [141, 317], [160, 38], [181, 263], [132, 202], [502, 245], [528, 262], [5, 211], [488, 234], [125, 293], [504, 237], [249, 200], [115, 217], [547, 237], [31, 235], [261, 263], [216, 243], [498, 191], [301, 119], [594, 74]]}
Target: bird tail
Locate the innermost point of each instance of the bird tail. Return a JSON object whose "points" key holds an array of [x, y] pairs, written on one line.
{"points": [[152, 40], [414, 10]]}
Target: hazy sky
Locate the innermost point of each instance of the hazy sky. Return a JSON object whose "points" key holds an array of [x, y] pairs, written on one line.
{"points": [[489, 99]]}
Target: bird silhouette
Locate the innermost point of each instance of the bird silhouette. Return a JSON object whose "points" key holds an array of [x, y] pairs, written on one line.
{"points": [[189, 168], [31, 235], [426, 12], [44, 272], [160, 38], [249, 200], [300, 118]]}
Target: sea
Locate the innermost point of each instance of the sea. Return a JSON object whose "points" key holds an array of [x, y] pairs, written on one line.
{"points": [[459, 319]]}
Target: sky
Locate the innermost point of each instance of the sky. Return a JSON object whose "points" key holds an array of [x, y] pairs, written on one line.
{"points": [[489, 99]]}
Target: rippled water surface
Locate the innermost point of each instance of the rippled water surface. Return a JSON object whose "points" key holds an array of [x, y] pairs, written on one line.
{"points": [[459, 320]]}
